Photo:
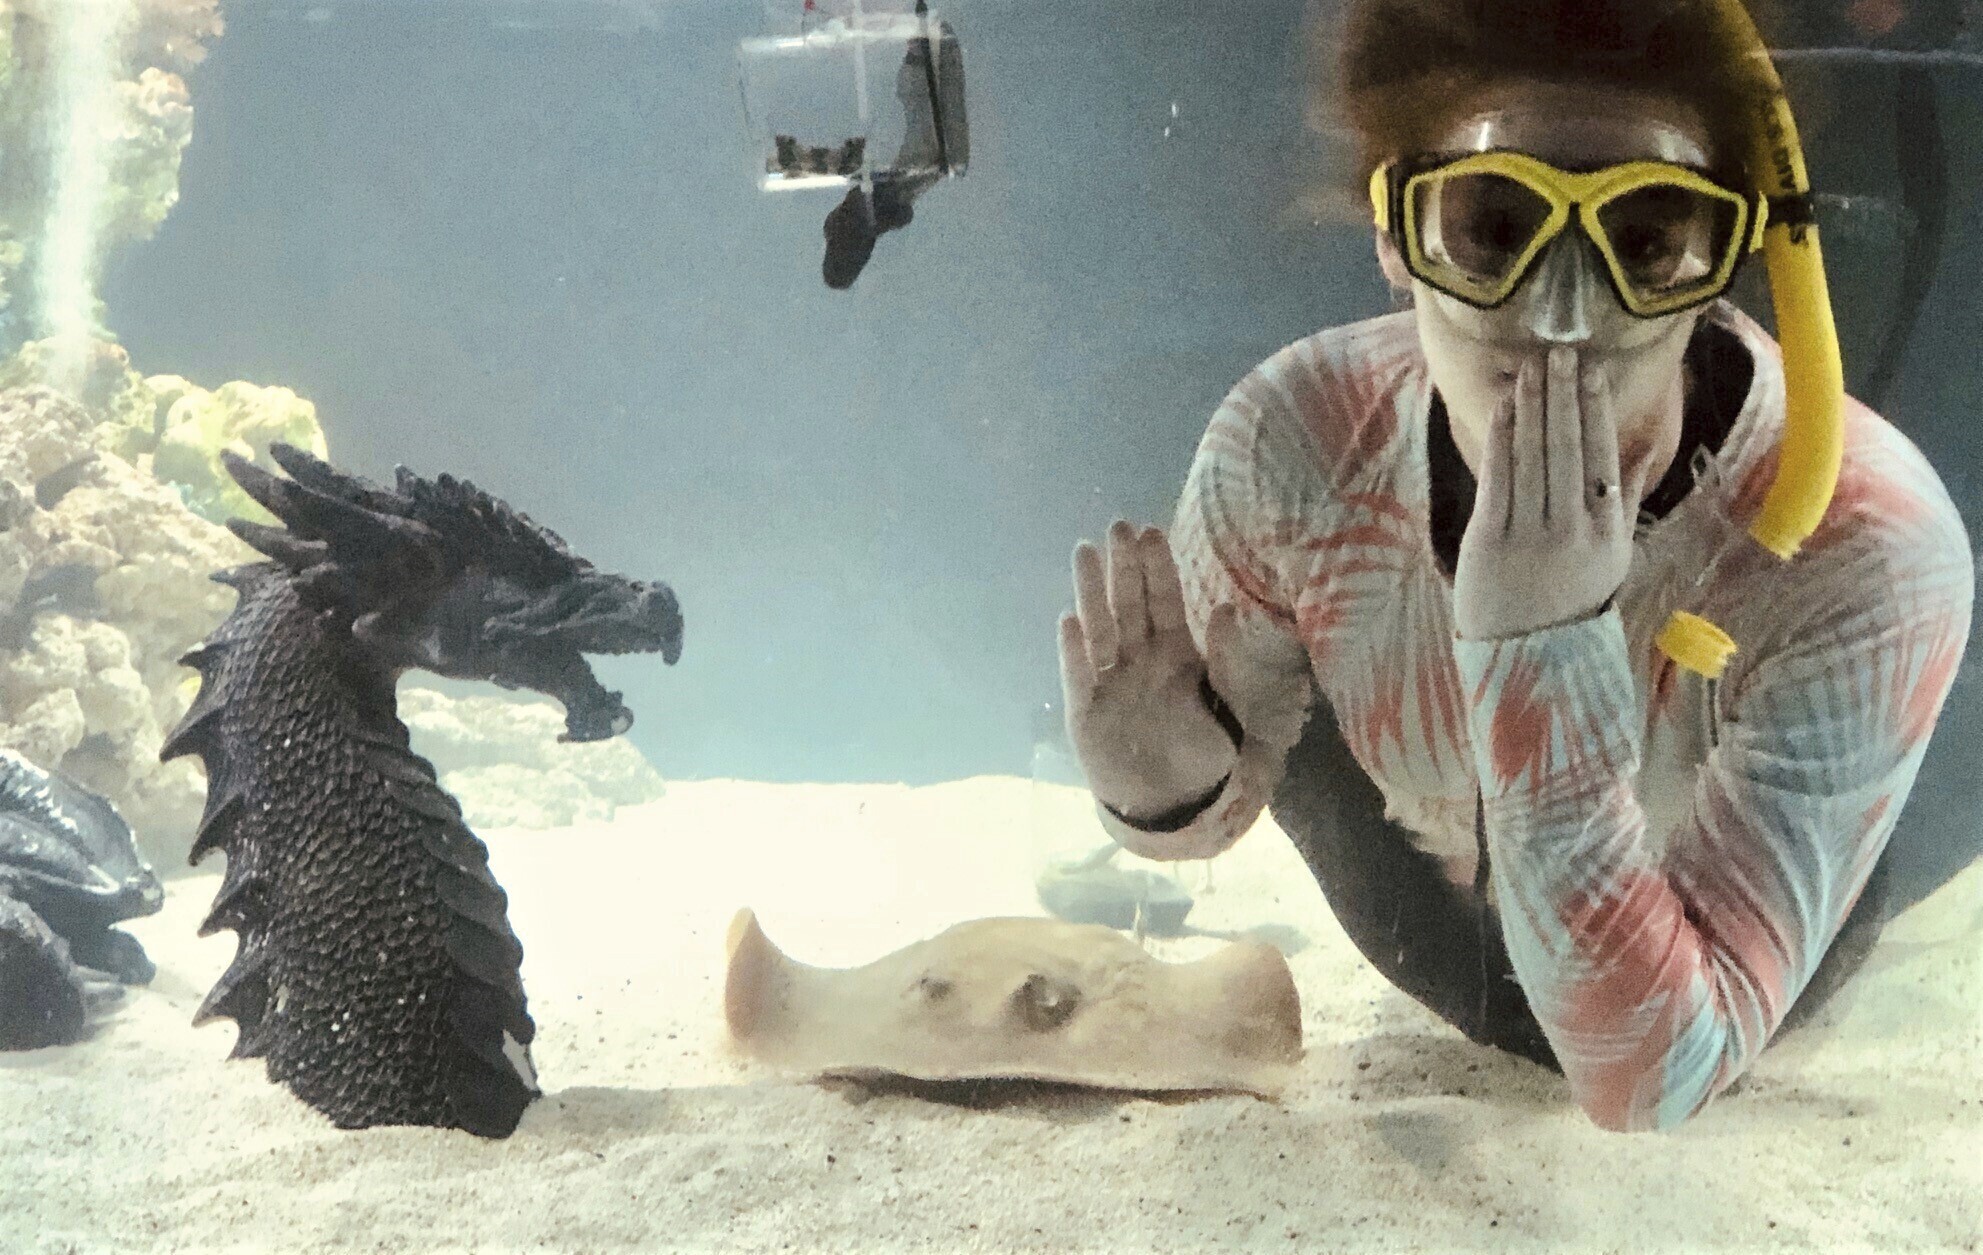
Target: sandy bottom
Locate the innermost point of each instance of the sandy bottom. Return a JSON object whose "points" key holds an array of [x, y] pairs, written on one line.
{"points": [[1863, 1133]]}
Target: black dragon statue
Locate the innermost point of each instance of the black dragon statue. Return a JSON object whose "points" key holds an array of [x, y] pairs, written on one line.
{"points": [[377, 973], [69, 872]]}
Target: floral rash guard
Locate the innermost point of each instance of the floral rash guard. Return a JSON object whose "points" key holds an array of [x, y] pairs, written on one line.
{"points": [[1669, 857]]}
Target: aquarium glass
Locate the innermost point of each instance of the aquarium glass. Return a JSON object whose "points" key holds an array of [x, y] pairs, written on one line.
{"points": [[620, 795]]}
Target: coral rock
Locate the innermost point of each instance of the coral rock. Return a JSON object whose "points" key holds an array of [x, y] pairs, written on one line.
{"points": [[94, 679], [503, 761], [240, 417]]}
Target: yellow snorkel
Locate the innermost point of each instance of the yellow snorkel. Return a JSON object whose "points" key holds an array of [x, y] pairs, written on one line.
{"points": [[1814, 377]]}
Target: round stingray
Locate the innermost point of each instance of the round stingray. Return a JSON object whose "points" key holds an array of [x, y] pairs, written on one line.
{"points": [[1030, 998]]}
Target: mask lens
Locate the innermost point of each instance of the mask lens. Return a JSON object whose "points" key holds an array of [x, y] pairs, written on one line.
{"points": [[1669, 240], [1476, 228]]}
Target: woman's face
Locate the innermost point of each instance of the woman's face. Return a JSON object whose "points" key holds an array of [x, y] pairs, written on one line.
{"points": [[1474, 353]]}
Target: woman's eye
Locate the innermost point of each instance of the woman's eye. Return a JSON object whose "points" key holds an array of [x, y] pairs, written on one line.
{"points": [[1644, 245], [1503, 232]]}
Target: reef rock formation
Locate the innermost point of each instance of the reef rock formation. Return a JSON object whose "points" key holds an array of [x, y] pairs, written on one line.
{"points": [[170, 427], [377, 974], [193, 425], [100, 593], [135, 143], [111, 495], [503, 760]]}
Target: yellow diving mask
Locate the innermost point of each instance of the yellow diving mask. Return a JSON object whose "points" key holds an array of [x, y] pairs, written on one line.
{"points": [[1474, 226], [1486, 268]]}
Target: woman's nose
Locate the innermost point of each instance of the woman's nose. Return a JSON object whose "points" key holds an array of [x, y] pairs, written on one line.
{"points": [[1557, 302]]}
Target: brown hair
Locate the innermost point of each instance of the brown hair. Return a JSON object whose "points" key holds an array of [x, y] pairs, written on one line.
{"points": [[1396, 71]]}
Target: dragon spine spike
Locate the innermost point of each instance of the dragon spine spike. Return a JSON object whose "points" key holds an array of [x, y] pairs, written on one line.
{"points": [[280, 545], [204, 657], [239, 902], [241, 994], [224, 812], [313, 472], [195, 735], [264, 488], [196, 726]]}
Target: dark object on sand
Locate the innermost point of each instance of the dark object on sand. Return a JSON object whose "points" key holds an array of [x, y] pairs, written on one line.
{"points": [[1089, 890], [377, 973], [69, 872]]}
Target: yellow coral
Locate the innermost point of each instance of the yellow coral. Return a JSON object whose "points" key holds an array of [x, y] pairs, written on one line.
{"points": [[243, 417]]}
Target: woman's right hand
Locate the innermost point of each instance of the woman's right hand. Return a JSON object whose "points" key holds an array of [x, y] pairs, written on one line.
{"points": [[1132, 679]]}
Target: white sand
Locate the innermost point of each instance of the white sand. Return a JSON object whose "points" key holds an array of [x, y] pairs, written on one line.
{"points": [[1864, 1134]]}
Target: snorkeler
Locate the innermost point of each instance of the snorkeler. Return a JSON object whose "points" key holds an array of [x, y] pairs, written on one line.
{"points": [[1462, 528]]}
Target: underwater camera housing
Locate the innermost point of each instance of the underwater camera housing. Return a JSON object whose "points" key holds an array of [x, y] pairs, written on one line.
{"points": [[865, 95]]}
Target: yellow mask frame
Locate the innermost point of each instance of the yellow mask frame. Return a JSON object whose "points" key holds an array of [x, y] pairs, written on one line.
{"points": [[1581, 197]]}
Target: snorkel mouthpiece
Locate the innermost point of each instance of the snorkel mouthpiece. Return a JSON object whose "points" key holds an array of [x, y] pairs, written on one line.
{"points": [[1814, 377]]}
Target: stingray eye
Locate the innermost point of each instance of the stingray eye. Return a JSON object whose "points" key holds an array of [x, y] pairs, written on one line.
{"points": [[934, 988], [1043, 1003]]}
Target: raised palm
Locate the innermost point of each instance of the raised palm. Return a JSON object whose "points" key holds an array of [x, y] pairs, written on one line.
{"points": [[1134, 680]]}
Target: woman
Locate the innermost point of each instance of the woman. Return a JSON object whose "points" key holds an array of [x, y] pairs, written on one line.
{"points": [[1419, 562]]}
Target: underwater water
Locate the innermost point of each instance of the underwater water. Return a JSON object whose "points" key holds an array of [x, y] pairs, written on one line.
{"points": [[541, 245]]}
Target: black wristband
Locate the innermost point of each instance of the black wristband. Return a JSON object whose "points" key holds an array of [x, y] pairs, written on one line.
{"points": [[1178, 817], [1185, 813], [1220, 711]]}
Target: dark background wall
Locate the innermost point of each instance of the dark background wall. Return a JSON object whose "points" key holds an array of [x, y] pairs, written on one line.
{"points": [[522, 243]]}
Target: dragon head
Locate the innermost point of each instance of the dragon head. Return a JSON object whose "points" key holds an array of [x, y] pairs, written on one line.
{"points": [[488, 625], [439, 575]]}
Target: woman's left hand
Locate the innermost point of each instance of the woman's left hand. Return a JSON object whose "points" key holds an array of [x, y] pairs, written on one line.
{"points": [[1550, 539]]}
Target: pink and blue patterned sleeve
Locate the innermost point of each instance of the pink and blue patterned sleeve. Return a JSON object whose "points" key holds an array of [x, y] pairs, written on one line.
{"points": [[1659, 976]]}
